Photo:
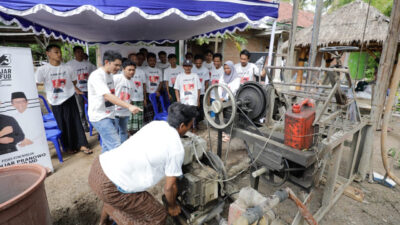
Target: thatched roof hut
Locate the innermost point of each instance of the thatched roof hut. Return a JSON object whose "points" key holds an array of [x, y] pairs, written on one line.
{"points": [[345, 26]]}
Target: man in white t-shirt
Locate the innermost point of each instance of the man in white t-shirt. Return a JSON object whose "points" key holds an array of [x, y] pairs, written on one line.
{"points": [[187, 86], [217, 72], [139, 92], [208, 62], [59, 81], [245, 69], [124, 90], [140, 64], [145, 53], [83, 69], [204, 77], [162, 64], [170, 75], [153, 84], [122, 177], [102, 99]]}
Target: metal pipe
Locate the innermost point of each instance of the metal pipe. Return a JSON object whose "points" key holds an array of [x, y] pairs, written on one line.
{"points": [[328, 100], [304, 85], [271, 47], [259, 172], [309, 68]]}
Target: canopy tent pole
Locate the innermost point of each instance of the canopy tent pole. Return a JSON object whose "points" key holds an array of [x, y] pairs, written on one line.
{"points": [[87, 48], [271, 48], [182, 47]]}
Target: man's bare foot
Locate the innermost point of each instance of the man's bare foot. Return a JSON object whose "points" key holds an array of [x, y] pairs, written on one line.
{"points": [[86, 150]]}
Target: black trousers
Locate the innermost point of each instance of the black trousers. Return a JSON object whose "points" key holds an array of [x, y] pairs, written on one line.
{"points": [[68, 121], [81, 107]]}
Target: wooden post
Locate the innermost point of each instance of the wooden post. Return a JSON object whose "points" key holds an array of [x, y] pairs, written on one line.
{"points": [[378, 99], [299, 79], [216, 44], [314, 38], [292, 38]]}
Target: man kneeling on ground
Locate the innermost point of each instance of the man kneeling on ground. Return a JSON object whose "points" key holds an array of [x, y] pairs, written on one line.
{"points": [[121, 177]]}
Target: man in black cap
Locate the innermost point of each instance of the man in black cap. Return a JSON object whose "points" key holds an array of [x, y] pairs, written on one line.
{"points": [[187, 86], [20, 103], [10, 134]]}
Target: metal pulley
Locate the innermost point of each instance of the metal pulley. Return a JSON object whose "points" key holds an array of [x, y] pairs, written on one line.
{"points": [[217, 107], [252, 100]]}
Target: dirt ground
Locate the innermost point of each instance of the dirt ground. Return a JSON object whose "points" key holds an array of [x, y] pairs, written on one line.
{"points": [[71, 201]]}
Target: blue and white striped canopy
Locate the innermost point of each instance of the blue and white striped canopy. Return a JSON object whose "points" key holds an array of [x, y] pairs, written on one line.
{"points": [[139, 20]]}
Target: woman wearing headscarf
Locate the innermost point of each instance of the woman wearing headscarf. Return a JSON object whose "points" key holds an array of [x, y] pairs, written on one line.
{"points": [[232, 80]]}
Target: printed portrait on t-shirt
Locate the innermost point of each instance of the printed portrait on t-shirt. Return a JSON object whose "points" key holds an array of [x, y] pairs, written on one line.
{"points": [[215, 82], [58, 85], [108, 103], [244, 80], [82, 78], [188, 89], [124, 96], [154, 80], [173, 79], [137, 84]]}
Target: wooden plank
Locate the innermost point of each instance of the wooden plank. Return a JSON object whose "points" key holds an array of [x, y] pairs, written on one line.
{"points": [[334, 164], [382, 82]]}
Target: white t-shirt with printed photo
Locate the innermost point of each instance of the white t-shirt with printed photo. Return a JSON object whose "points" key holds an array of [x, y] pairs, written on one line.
{"points": [[154, 77], [57, 82], [139, 79], [215, 76], [204, 75], [99, 84], [188, 86], [170, 74], [124, 91], [135, 169], [82, 69], [247, 73]]}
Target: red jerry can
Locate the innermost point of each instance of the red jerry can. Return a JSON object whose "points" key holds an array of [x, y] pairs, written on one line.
{"points": [[298, 125]]}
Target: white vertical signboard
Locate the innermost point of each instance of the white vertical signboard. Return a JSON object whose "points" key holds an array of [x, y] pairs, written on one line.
{"points": [[22, 135]]}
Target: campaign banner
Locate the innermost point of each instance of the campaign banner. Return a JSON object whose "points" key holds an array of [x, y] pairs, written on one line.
{"points": [[22, 135]]}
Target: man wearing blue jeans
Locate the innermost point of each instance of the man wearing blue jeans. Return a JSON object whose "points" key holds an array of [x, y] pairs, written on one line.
{"points": [[102, 100]]}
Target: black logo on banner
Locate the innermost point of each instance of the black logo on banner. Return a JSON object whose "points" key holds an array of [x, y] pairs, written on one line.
{"points": [[5, 67], [5, 60]]}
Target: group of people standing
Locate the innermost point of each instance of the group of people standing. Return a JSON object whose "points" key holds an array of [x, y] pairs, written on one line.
{"points": [[118, 106], [118, 91]]}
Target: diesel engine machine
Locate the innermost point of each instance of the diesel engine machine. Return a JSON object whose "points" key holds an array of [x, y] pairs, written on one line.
{"points": [[293, 132]]}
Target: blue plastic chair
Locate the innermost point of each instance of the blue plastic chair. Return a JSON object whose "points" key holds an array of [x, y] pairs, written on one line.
{"points": [[50, 124], [87, 118], [167, 103], [54, 136], [49, 115], [158, 115]]}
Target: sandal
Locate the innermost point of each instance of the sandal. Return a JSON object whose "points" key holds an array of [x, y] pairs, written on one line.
{"points": [[86, 150]]}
